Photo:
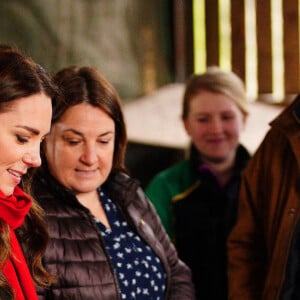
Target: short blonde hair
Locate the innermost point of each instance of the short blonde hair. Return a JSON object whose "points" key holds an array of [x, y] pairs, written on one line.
{"points": [[217, 81]]}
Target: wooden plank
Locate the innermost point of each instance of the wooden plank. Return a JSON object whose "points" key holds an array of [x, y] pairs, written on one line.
{"points": [[238, 42], [179, 41], [264, 47], [183, 39], [291, 46], [189, 34], [212, 32]]}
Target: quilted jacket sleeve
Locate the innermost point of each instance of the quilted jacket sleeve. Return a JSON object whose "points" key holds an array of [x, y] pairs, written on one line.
{"points": [[179, 284]]}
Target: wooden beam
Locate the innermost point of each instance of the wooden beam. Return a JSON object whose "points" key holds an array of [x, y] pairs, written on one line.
{"points": [[238, 42], [212, 32], [264, 47], [291, 46]]}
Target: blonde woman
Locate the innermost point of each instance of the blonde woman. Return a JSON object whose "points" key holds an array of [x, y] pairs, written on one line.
{"points": [[197, 198]]}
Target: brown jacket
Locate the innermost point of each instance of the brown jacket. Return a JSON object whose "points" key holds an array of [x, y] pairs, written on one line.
{"points": [[76, 252], [269, 209]]}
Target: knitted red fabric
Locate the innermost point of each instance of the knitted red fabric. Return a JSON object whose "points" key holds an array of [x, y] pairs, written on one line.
{"points": [[13, 210]]}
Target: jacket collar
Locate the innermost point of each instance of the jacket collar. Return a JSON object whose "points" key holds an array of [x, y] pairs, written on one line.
{"points": [[119, 185], [288, 120], [288, 123], [241, 159], [297, 113]]}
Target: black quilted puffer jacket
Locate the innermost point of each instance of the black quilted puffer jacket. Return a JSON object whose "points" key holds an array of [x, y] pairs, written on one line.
{"points": [[76, 253]]}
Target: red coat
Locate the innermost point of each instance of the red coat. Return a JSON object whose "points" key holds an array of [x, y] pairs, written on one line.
{"points": [[13, 210]]}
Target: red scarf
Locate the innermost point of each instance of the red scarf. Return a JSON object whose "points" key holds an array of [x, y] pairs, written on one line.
{"points": [[13, 210]]}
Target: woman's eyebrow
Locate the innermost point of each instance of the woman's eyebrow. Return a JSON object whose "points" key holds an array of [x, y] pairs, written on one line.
{"points": [[107, 132], [30, 129], [81, 134]]}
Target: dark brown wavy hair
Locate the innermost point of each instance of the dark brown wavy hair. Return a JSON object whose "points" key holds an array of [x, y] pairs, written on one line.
{"points": [[86, 84], [21, 77]]}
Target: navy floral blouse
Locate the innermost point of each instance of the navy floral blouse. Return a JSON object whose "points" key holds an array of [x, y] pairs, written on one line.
{"points": [[139, 271]]}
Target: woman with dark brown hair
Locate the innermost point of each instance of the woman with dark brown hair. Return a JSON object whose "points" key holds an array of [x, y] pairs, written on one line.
{"points": [[106, 240], [25, 117]]}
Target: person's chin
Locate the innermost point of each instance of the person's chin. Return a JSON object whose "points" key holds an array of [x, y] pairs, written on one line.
{"points": [[8, 191], [216, 158], [86, 188]]}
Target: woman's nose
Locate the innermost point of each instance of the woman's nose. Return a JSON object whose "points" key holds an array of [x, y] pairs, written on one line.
{"points": [[216, 125], [89, 155], [32, 159]]}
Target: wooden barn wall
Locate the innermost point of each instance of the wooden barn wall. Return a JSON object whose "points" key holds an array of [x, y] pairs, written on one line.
{"points": [[290, 77]]}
